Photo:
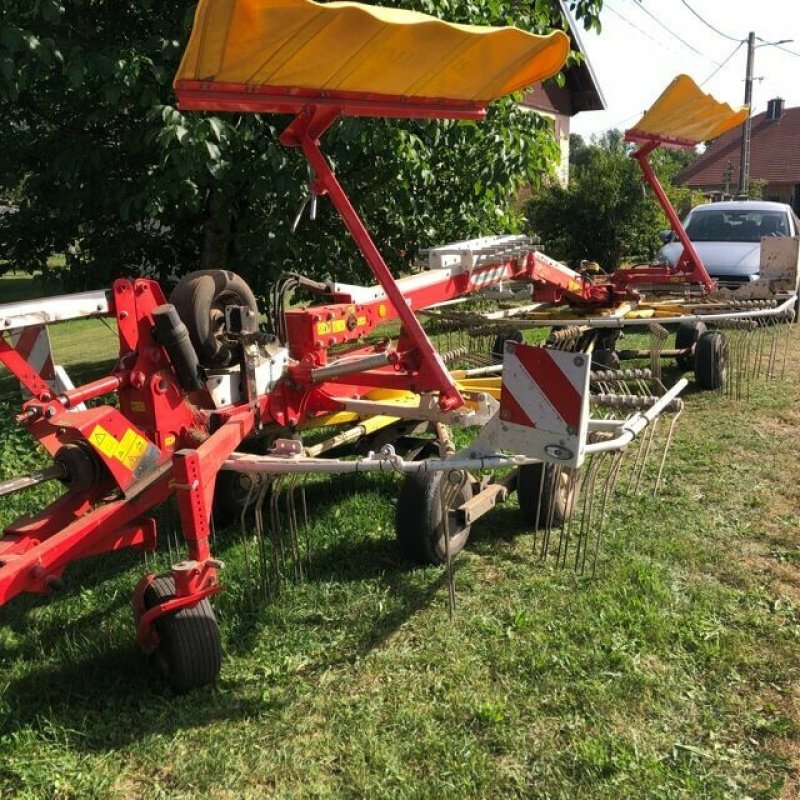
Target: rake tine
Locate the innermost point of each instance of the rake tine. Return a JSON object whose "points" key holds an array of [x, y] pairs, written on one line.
{"points": [[649, 444], [635, 466], [306, 526], [667, 444], [591, 500], [296, 539], [262, 550], [243, 529], [551, 514], [786, 339], [584, 527], [454, 482], [566, 522], [275, 531], [608, 488], [537, 517]]}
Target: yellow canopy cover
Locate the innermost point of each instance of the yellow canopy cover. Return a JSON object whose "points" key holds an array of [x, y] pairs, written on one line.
{"points": [[685, 113], [350, 47]]}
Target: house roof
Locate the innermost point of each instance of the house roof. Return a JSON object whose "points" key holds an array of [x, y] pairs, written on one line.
{"points": [[581, 79], [581, 90], [774, 153]]}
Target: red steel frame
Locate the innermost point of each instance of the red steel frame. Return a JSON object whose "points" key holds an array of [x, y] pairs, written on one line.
{"points": [[689, 268], [160, 442]]}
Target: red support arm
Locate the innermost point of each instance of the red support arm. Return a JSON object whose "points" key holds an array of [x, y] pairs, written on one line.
{"points": [[431, 368], [689, 264]]}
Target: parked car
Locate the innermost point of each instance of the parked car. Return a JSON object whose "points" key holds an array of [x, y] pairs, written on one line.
{"points": [[727, 237]]}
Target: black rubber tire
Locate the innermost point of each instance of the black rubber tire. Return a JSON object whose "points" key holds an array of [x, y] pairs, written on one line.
{"points": [[686, 336], [200, 299], [711, 360], [529, 486], [418, 523], [231, 490], [605, 359], [499, 344], [189, 652]]}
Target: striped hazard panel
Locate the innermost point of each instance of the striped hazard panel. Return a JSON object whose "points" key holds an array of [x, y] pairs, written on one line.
{"points": [[544, 403]]}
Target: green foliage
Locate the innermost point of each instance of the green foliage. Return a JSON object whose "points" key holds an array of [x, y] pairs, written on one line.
{"points": [[112, 173], [606, 214]]}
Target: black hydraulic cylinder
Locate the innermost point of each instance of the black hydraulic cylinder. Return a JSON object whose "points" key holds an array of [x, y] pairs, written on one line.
{"points": [[173, 336]]}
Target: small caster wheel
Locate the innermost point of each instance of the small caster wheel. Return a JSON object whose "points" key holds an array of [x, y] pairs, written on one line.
{"points": [[711, 360], [419, 525], [499, 344], [189, 652], [686, 336], [605, 359], [557, 490]]}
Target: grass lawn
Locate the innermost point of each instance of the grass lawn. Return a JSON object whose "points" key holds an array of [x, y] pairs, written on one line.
{"points": [[673, 674]]}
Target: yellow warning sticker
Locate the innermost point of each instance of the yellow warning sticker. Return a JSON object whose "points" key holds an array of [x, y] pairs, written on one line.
{"points": [[323, 328], [339, 326], [361, 321], [138, 406], [128, 450]]}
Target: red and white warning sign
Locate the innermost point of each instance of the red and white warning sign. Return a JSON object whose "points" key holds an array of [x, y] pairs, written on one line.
{"points": [[33, 344], [544, 403]]}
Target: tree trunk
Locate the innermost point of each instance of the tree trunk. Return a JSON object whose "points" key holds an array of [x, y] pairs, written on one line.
{"points": [[216, 232]]}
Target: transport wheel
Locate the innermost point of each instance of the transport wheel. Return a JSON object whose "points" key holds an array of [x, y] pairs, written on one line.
{"points": [[189, 653], [419, 525], [200, 298], [687, 335], [556, 506], [499, 344], [710, 360], [233, 489]]}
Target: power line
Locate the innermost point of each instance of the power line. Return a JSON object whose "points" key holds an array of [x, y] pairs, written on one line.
{"points": [[672, 33], [636, 27], [777, 45], [709, 25], [733, 53]]}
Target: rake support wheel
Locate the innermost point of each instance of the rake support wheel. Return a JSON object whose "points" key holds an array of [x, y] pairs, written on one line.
{"points": [[419, 523], [711, 360], [556, 504], [686, 336], [189, 652], [200, 299]]}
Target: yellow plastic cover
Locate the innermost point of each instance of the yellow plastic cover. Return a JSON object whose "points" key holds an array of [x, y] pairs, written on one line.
{"points": [[350, 47], [685, 113]]}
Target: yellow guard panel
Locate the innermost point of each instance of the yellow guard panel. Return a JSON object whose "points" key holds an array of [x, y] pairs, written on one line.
{"points": [[685, 112], [350, 47]]}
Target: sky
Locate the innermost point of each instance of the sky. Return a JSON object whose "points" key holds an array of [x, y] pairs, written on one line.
{"points": [[636, 56]]}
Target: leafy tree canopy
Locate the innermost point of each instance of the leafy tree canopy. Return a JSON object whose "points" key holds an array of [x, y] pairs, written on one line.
{"points": [[606, 214], [107, 169]]}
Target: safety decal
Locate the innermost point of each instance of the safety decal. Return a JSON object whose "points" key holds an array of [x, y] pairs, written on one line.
{"points": [[129, 450]]}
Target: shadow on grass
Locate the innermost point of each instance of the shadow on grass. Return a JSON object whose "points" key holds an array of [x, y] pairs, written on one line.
{"points": [[99, 680]]}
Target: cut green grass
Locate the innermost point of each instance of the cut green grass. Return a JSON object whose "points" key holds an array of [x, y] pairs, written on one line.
{"points": [[673, 674]]}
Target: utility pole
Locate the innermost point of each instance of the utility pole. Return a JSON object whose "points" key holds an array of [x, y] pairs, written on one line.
{"points": [[744, 158]]}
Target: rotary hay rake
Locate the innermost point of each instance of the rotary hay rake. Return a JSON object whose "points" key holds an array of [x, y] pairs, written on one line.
{"points": [[217, 413]]}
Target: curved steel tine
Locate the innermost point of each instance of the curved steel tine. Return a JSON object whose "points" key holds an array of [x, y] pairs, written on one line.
{"points": [[263, 560], [608, 488], [582, 492], [635, 466], [786, 339], [670, 433], [452, 483], [537, 516], [306, 524], [243, 530], [590, 500], [275, 530], [649, 438]]}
